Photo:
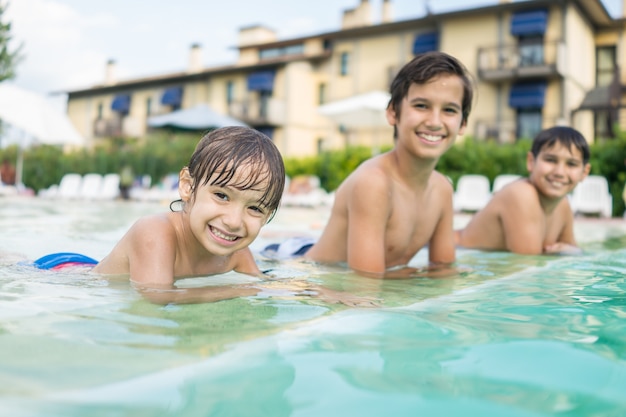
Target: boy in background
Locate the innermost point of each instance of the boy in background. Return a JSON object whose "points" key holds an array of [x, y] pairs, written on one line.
{"points": [[532, 215], [394, 204]]}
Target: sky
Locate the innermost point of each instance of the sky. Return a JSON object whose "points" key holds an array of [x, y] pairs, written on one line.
{"points": [[66, 43]]}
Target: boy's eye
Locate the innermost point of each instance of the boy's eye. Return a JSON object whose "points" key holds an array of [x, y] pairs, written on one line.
{"points": [[257, 209], [451, 110], [419, 105], [221, 196], [573, 164]]}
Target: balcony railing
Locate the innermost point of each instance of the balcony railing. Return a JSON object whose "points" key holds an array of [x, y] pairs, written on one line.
{"points": [[505, 131], [259, 112], [117, 127], [512, 62]]}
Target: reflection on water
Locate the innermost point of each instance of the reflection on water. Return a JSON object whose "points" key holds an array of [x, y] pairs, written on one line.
{"points": [[512, 336]]}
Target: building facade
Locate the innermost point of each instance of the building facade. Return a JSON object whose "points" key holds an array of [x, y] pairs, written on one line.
{"points": [[536, 63]]}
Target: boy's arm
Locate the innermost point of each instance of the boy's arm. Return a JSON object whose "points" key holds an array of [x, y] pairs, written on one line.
{"points": [[441, 250], [369, 208], [566, 244], [151, 257], [169, 294], [244, 263], [522, 221]]}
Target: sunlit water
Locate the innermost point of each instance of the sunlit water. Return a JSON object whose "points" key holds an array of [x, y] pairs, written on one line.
{"points": [[514, 336]]}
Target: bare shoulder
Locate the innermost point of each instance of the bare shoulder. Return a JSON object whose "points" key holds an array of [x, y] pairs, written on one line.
{"points": [[155, 228], [518, 192], [442, 182], [157, 223], [371, 176]]}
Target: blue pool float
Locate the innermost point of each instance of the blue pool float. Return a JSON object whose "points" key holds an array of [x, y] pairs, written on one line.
{"points": [[62, 260]]}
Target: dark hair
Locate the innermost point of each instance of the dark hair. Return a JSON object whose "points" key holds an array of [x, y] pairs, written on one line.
{"points": [[564, 135], [221, 152], [423, 68]]}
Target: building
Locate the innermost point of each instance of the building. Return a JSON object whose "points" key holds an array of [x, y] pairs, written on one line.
{"points": [[536, 63]]}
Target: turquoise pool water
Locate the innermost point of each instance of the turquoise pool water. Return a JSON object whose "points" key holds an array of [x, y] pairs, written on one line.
{"points": [[514, 336]]}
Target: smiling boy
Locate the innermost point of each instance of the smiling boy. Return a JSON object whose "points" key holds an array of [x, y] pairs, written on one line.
{"points": [[532, 215], [394, 204]]}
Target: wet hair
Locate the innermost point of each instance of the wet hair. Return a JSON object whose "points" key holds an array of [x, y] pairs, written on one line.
{"points": [[564, 135], [424, 68], [222, 152]]}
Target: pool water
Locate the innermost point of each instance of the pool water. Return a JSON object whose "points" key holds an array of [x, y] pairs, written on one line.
{"points": [[513, 336]]}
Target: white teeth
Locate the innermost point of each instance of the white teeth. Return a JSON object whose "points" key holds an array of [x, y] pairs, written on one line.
{"points": [[432, 138], [221, 235]]}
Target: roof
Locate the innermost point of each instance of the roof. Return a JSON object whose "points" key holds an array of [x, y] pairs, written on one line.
{"points": [[595, 11]]}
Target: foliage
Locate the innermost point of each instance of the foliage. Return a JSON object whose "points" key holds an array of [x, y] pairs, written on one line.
{"points": [[163, 154], [8, 59], [608, 158], [486, 158]]}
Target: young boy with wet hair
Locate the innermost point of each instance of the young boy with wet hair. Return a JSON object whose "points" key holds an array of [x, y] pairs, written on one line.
{"points": [[396, 203], [532, 215], [231, 188]]}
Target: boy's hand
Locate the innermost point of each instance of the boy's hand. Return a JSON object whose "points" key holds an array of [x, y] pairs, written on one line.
{"points": [[560, 248]]}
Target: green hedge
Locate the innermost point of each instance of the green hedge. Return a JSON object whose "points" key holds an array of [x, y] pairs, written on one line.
{"points": [[163, 154]]}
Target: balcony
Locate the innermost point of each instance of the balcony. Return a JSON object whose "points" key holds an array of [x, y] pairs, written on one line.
{"points": [[107, 128], [515, 62], [266, 111], [117, 127]]}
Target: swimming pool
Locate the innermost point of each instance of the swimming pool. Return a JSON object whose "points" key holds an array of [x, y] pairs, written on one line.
{"points": [[515, 336]]}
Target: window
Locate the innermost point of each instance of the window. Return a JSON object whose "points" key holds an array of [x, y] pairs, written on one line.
{"points": [[230, 92], [100, 108], [528, 123], [320, 146], [602, 124], [531, 51], [345, 57], [321, 94], [148, 106], [605, 65]]}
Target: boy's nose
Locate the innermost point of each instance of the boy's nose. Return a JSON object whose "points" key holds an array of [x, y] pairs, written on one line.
{"points": [[232, 218], [559, 169], [434, 119]]}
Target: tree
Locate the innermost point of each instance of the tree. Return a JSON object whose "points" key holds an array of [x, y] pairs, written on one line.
{"points": [[8, 59]]}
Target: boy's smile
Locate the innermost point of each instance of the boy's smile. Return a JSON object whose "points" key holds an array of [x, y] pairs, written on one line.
{"points": [[432, 114], [556, 170]]}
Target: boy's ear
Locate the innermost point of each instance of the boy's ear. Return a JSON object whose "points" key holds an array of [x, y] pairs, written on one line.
{"points": [[530, 161], [390, 113], [185, 183], [462, 129], [586, 170]]}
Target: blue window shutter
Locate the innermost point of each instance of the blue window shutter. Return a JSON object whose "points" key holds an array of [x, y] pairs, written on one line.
{"points": [[121, 103], [426, 42], [172, 96], [527, 95], [530, 22], [261, 81]]}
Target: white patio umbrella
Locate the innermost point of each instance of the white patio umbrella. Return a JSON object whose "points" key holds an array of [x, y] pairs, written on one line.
{"points": [[32, 119], [363, 110], [201, 117], [360, 111]]}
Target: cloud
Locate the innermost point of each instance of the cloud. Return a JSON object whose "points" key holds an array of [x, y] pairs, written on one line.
{"points": [[56, 44]]}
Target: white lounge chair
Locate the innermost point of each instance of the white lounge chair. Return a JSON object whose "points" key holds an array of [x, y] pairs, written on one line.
{"points": [[472, 193], [306, 191], [69, 187], [110, 189], [90, 186], [501, 180], [592, 196]]}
